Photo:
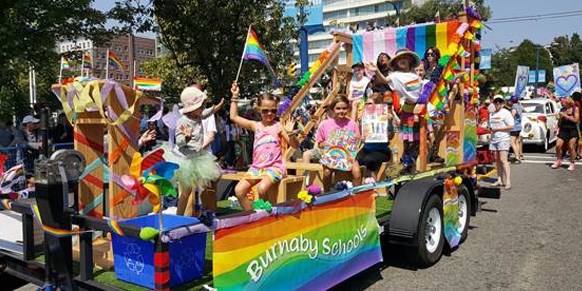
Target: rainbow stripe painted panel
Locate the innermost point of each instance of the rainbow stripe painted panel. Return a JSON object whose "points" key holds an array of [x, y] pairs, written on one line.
{"points": [[368, 45], [311, 250]]}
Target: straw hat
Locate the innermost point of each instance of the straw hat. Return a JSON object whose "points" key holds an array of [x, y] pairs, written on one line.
{"points": [[405, 53]]}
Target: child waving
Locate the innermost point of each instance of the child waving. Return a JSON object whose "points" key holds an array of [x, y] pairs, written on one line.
{"points": [[267, 166]]}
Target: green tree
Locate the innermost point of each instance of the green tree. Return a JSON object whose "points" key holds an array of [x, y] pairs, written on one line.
{"points": [[210, 35], [174, 78], [427, 11], [566, 50]]}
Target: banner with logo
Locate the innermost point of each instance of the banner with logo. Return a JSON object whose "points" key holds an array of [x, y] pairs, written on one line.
{"points": [[375, 123], [521, 79], [567, 79], [314, 249], [541, 76]]}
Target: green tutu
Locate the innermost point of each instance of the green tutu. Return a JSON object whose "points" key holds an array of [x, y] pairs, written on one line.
{"points": [[198, 170]]}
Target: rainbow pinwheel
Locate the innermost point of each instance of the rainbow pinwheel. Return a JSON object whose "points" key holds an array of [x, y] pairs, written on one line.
{"points": [[150, 180]]}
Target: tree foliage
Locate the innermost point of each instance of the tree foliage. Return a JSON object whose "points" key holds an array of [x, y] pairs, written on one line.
{"points": [[505, 61], [566, 50], [210, 35], [174, 78], [426, 12]]}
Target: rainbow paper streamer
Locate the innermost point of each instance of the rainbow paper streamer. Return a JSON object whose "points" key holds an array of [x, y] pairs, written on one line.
{"points": [[323, 246]]}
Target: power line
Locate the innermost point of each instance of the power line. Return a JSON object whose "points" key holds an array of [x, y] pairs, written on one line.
{"points": [[536, 17]]}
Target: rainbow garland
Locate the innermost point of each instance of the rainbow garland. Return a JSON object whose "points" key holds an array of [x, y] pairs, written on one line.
{"points": [[305, 78]]}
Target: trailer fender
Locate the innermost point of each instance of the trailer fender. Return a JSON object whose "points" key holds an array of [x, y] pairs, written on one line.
{"points": [[411, 198]]}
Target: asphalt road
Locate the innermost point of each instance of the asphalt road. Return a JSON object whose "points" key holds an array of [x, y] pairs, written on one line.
{"points": [[528, 239]]}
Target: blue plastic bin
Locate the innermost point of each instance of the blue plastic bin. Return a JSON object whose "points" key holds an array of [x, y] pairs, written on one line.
{"points": [[134, 258]]}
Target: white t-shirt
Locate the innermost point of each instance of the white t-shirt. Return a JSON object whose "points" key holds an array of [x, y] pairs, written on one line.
{"points": [[358, 88], [500, 119], [209, 125], [407, 85]]}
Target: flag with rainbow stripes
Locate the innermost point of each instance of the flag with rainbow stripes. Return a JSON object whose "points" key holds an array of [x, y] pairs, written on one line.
{"points": [[114, 60], [147, 84]]}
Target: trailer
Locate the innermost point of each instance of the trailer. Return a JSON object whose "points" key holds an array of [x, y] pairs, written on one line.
{"points": [[298, 239]]}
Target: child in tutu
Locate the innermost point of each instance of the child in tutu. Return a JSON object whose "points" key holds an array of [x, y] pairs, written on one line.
{"points": [[267, 167], [198, 168]]}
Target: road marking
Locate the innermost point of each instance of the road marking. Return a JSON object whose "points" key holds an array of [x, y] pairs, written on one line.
{"points": [[540, 157], [564, 163]]}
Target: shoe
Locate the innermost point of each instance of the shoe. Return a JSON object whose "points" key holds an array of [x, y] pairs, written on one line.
{"points": [[497, 184], [571, 167], [556, 164], [507, 187]]}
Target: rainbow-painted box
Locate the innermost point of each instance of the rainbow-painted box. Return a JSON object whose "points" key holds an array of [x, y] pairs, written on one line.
{"points": [[134, 258]]}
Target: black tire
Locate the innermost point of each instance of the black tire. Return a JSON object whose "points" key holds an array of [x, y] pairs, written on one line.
{"points": [[465, 195], [427, 257]]}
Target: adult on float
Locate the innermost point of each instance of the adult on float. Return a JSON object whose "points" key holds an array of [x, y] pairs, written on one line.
{"points": [[377, 84], [567, 132], [500, 124], [431, 64], [375, 152]]}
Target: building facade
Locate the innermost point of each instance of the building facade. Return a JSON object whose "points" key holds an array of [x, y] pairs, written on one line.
{"points": [[130, 50]]}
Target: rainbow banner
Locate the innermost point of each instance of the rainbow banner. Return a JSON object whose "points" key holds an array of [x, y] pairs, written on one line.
{"points": [[87, 61], [147, 84], [368, 45], [114, 60], [311, 250]]}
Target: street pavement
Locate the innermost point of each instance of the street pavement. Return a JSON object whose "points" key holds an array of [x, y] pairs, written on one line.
{"points": [[529, 239]]}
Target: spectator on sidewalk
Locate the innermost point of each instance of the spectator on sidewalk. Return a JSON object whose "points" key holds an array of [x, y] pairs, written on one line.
{"points": [[29, 142], [500, 124]]}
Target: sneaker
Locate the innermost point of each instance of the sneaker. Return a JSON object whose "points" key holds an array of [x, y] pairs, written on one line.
{"points": [[556, 164], [571, 167]]}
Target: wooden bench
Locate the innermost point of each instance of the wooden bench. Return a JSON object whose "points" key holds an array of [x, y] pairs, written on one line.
{"points": [[315, 173], [284, 190]]}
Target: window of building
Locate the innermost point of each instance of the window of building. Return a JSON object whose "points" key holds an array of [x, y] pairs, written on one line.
{"points": [[125, 48]]}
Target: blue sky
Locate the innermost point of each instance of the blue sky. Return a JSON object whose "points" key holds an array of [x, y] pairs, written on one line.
{"points": [[540, 31]]}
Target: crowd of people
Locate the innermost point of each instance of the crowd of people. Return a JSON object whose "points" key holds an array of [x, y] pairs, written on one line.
{"points": [[502, 118]]}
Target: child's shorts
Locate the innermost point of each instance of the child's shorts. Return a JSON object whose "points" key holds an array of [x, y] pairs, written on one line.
{"points": [[274, 174]]}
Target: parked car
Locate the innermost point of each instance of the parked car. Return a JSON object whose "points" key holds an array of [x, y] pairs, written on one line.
{"points": [[539, 122]]}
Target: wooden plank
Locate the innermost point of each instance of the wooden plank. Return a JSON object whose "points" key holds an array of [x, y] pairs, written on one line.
{"points": [[89, 142], [119, 200], [342, 37]]}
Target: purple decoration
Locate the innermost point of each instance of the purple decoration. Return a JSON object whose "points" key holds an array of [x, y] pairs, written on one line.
{"points": [[286, 104], [314, 190], [472, 12], [427, 90]]}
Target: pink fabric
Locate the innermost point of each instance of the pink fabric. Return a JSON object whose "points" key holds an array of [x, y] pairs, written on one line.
{"points": [[328, 126], [267, 151]]}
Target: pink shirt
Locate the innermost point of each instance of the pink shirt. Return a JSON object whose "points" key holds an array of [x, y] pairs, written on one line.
{"points": [[328, 126], [267, 151]]}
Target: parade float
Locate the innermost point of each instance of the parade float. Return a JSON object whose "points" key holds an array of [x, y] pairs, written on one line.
{"points": [[300, 238]]}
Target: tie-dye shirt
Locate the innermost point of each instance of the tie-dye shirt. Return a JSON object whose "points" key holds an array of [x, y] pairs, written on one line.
{"points": [[267, 151], [407, 85]]}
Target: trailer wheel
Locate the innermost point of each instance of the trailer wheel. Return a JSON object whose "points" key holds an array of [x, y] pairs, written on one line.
{"points": [[431, 238], [464, 211]]}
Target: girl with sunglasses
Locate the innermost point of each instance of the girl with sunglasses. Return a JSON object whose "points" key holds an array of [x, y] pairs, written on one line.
{"points": [[267, 167]]}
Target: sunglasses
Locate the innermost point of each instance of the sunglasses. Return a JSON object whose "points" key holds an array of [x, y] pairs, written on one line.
{"points": [[269, 110], [430, 54]]}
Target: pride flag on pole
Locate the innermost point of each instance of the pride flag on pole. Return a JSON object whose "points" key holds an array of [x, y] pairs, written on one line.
{"points": [[113, 59], [147, 84], [87, 61], [254, 51]]}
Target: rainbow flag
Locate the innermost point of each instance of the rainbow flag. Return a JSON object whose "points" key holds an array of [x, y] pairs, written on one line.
{"points": [[113, 59], [147, 84], [417, 38], [315, 250], [254, 51], [87, 61], [65, 64]]}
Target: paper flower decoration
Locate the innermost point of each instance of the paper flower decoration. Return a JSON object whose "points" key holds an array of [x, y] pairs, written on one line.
{"points": [[262, 204], [458, 180], [305, 197], [314, 190], [150, 181]]}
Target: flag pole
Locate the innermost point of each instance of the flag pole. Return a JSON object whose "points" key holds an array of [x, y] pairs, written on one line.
{"points": [[243, 55], [82, 62], [107, 65], [61, 70]]}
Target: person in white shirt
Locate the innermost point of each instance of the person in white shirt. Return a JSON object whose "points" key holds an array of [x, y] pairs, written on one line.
{"points": [[501, 122], [357, 88]]}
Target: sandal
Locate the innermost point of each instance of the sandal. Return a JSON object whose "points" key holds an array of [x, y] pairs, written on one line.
{"points": [[497, 184]]}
